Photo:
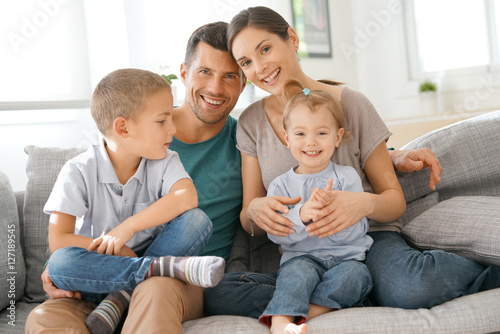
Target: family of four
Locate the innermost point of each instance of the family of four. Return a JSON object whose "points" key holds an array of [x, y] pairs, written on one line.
{"points": [[141, 225]]}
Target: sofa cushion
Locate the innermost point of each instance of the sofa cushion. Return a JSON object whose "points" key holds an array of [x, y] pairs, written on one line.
{"points": [[42, 169], [476, 313], [419, 206], [466, 225], [12, 269]]}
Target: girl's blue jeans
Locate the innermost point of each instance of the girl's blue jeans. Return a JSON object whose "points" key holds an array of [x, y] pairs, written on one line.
{"points": [[403, 277], [305, 279], [95, 275]]}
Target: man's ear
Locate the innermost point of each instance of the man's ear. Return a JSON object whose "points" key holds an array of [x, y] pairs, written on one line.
{"points": [[120, 127], [183, 73], [243, 81]]}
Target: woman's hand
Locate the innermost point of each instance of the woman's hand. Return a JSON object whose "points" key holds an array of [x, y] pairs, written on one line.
{"points": [[53, 291], [344, 211], [413, 160], [262, 212]]}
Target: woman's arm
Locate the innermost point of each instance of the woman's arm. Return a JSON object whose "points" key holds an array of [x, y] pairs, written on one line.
{"points": [[385, 205], [258, 214]]}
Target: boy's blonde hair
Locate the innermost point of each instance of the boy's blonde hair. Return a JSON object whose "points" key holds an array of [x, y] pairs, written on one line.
{"points": [[295, 95], [122, 93]]}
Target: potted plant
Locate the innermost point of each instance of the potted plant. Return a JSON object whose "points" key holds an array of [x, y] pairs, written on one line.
{"points": [[167, 75], [428, 99], [427, 86], [170, 77]]}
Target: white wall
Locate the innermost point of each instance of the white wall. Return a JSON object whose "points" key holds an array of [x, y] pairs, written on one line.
{"points": [[369, 54], [59, 128]]}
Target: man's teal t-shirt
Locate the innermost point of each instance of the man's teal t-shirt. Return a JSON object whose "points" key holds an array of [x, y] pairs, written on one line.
{"points": [[215, 167]]}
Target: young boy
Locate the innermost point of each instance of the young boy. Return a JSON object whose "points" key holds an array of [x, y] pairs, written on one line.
{"points": [[325, 272], [125, 210]]}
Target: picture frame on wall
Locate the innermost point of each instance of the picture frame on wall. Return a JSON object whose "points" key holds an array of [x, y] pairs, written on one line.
{"points": [[311, 22]]}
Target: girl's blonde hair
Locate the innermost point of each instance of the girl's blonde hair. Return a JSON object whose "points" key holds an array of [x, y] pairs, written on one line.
{"points": [[123, 93], [295, 94]]}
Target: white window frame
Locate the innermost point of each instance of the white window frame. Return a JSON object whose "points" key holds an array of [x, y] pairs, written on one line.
{"points": [[462, 74], [45, 12]]}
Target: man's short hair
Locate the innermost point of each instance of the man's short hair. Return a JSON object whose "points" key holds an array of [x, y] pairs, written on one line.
{"points": [[122, 93], [213, 34]]}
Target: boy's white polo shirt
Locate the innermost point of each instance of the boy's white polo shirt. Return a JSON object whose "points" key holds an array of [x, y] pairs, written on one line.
{"points": [[87, 187]]}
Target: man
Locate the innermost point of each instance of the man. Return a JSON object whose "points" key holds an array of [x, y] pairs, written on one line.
{"points": [[206, 143]]}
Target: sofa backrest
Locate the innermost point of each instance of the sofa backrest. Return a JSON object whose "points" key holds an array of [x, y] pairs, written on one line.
{"points": [[42, 169], [469, 152], [12, 267]]}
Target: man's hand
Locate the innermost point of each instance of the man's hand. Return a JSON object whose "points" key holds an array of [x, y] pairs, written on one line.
{"points": [[53, 291], [413, 160]]}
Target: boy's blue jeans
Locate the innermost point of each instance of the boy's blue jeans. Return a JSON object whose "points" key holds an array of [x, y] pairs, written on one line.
{"points": [[402, 277], [77, 269], [330, 283]]}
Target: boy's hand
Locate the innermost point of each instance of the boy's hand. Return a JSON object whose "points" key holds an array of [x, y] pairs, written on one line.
{"points": [[113, 243]]}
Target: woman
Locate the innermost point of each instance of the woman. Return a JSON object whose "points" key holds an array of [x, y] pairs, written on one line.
{"points": [[265, 46]]}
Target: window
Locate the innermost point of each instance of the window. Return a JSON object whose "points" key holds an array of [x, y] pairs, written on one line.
{"points": [[452, 36], [55, 51], [43, 59]]}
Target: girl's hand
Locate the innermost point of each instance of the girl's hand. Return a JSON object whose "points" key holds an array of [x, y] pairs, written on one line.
{"points": [[311, 210], [344, 211], [113, 243], [262, 212]]}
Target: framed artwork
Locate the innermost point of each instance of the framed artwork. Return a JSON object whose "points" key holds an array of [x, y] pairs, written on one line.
{"points": [[312, 24]]}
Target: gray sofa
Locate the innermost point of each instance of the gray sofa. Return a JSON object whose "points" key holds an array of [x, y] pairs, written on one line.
{"points": [[461, 216]]}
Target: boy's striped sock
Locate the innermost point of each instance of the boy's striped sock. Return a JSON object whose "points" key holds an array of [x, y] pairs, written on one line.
{"points": [[107, 315], [204, 271]]}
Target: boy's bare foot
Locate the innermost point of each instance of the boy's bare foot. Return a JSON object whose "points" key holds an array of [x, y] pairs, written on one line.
{"points": [[284, 325]]}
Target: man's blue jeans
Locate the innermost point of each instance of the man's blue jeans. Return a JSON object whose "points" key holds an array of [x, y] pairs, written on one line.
{"points": [[403, 277], [305, 279], [76, 269]]}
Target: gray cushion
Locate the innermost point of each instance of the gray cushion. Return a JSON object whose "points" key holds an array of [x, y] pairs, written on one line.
{"points": [[419, 206], [477, 313], [468, 226], [12, 269], [42, 169]]}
